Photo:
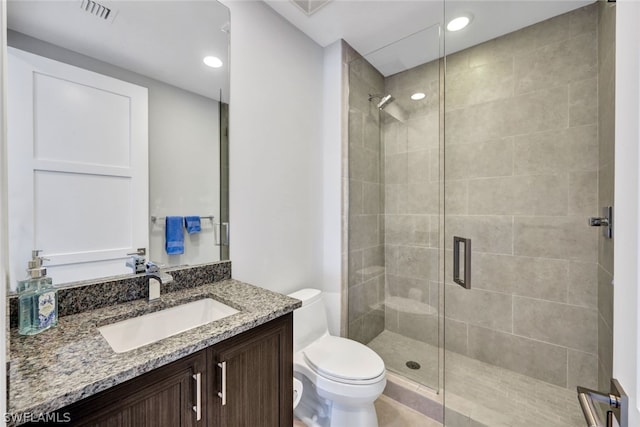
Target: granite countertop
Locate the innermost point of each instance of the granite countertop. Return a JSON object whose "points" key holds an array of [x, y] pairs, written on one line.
{"points": [[72, 361]]}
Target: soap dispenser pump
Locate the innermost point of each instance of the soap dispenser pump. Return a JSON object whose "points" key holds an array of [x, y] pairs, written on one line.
{"points": [[38, 299]]}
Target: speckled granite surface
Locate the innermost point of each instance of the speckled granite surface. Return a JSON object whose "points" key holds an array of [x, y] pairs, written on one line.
{"points": [[77, 297], [73, 361]]}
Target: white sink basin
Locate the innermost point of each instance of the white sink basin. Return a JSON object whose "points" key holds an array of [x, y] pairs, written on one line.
{"points": [[149, 328]]}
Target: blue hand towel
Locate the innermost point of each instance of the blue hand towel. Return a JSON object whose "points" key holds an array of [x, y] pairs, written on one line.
{"points": [[174, 237], [192, 224]]}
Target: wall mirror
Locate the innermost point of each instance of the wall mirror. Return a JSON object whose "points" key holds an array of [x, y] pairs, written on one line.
{"points": [[114, 123]]}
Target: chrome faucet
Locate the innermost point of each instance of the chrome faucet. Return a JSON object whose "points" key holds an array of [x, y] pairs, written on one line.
{"points": [[154, 279]]}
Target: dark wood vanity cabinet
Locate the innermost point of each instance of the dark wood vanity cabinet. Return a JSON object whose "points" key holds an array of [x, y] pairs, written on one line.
{"points": [[165, 397], [252, 378], [257, 387]]}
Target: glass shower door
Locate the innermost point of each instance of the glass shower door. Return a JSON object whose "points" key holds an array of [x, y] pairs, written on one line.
{"points": [[394, 210], [520, 262]]}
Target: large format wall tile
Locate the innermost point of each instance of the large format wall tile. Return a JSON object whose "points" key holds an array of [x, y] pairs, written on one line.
{"points": [[407, 230], [557, 151], [364, 164], [583, 370], [487, 233], [455, 336], [582, 109], [583, 200], [556, 64], [605, 296], [363, 231], [477, 307], [528, 113], [605, 353], [423, 132], [482, 159], [422, 198], [583, 284], [488, 82], [520, 195], [555, 237], [561, 324], [417, 262], [533, 277]]}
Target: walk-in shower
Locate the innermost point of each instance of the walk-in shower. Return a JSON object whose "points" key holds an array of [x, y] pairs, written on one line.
{"points": [[512, 150]]}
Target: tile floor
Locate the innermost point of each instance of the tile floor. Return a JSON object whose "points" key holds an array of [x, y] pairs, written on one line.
{"points": [[479, 393]]}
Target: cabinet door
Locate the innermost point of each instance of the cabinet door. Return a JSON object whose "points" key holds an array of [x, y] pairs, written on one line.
{"points": [[254, 375], [164, 397]]}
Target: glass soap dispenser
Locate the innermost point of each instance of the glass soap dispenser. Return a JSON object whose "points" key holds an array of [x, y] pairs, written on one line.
{"points": [[38, 299]]}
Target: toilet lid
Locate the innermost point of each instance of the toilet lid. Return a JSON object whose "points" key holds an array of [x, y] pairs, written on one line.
{"points": [[343, 359]]}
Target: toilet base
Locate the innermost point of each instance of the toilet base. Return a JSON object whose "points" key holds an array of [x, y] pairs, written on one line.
{"points": [[363, 415], [317, 408]]}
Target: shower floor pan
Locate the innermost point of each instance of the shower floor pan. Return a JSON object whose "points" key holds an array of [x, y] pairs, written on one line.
{"points": [[487, 394]]}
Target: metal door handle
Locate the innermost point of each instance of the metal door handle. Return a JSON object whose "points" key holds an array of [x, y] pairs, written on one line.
{"points": [[617, 401], [223, 394], [466, 281], [198, 408]]}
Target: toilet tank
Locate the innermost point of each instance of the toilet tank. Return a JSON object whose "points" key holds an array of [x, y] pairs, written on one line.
{"points": [[310, 320]]}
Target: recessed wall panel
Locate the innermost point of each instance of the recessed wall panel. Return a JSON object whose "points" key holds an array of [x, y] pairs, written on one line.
{"points": [[80, 212], [93, 126]]}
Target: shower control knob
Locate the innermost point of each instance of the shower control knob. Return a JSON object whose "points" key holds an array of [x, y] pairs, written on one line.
{"points": [[598, 222]]}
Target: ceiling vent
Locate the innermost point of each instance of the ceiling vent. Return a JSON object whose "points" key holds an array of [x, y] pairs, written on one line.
{"points": [[98, 10], [309, 7]]}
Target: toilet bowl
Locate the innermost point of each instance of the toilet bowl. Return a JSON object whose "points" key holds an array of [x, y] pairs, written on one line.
{"points": [[341, 378]]}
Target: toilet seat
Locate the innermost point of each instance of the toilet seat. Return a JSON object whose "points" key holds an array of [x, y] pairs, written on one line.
{"points": [[344, 360]]}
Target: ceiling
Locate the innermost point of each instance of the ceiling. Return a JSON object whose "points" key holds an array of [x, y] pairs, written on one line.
{"points": [[164, 40], [371, 25]]}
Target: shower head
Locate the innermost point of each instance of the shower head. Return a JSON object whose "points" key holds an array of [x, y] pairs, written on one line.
{"points": [[384, 100], [387, 99]]}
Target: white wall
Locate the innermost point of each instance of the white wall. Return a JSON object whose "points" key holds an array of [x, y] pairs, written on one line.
{"points": [[276, 153], [626, 342], [192, 149]]}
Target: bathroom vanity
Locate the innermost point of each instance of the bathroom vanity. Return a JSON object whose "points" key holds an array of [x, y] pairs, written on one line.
{"points": [[244, 380], [234, 371]]}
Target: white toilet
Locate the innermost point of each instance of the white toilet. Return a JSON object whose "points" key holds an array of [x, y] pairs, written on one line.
{"points": [[341, 378]]}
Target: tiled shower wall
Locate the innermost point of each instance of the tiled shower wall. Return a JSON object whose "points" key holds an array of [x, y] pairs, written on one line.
{"points": [[606, 135], [521, 165], [411, 172], [524, 161], [365, 216]]}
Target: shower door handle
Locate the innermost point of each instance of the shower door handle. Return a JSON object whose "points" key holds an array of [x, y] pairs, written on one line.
{"points": [[465, 282]]}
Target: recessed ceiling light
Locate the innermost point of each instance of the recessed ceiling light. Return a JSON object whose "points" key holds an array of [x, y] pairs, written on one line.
{"points": [[212, 61], [418, 96], [456, 24]]}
